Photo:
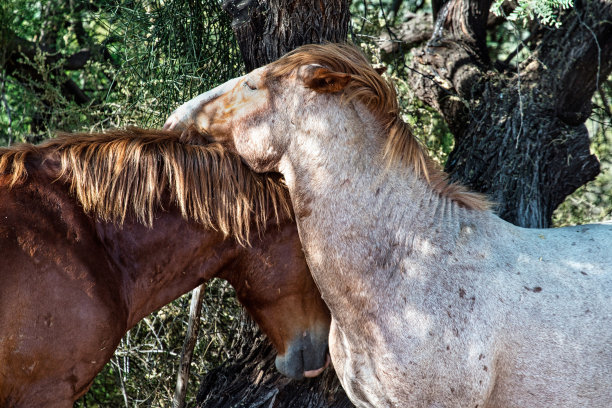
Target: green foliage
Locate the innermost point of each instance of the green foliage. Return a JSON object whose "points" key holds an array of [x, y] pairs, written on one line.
{"points": [[546, 11], [146, 56], [171, 51], [33, 100]]}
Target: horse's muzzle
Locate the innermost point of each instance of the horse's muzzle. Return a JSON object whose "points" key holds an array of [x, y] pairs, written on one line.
{"points": [[306, 356]]}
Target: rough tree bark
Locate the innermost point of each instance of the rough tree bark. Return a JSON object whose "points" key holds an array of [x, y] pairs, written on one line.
{"points": [[519, 129], [266, 30]]}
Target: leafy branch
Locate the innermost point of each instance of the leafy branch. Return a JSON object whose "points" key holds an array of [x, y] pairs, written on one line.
{"points": [[546, 11]]}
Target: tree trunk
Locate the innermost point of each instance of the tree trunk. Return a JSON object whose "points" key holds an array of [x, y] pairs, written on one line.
{"points": [[519, 131], [265, 31]]}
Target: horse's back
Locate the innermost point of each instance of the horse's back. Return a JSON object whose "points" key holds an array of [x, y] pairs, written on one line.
{"points": [[555, 345], [588, 244], [52, 291]]}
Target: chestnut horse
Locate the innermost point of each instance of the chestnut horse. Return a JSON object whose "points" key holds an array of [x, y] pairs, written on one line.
{"points": [[435, 301], [99, 230]]}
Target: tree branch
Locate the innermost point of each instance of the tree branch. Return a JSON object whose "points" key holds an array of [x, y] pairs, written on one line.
{"points": [[77, 60], [454, 62], [465, 21], [582, 57], [414, 31], [266, 30], [191, 337]]}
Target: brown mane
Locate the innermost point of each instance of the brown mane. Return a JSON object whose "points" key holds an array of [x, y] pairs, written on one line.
{"points": [[127, 171], [379, 95]]}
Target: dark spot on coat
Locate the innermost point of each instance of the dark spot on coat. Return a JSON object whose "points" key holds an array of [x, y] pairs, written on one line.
{"points": [[584, 273], [536, 289], [461, 292]]}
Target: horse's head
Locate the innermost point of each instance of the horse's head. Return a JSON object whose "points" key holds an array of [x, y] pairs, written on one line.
{"points": [[274, 284], [255, 115]]}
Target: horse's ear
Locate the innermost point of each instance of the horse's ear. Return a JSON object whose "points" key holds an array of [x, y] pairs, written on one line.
{"points": [[324, 80]]}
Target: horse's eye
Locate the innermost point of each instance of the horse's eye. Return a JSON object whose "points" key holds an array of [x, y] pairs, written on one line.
{"points": [[250, 85]]}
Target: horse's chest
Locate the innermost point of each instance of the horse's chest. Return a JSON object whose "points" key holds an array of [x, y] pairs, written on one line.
{"points": [[387, 375]]}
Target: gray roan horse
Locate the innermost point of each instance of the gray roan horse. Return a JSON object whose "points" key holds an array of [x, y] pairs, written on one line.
{"points": [[435, 301]]}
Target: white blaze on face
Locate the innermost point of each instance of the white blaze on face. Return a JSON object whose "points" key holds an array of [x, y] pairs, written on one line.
{"points": [[185, 115]]}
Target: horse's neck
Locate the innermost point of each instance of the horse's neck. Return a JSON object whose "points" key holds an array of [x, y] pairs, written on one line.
{"points": [[340, 184], [155, 265], [161, 263], [359, 220]]}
